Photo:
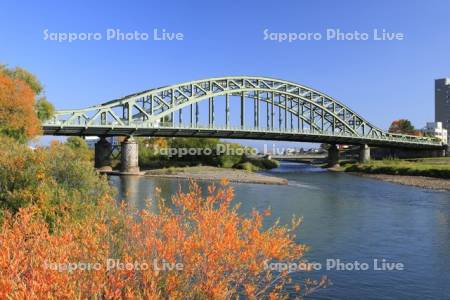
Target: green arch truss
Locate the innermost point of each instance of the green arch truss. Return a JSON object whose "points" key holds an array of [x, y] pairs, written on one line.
{"points": [[291, 112]]}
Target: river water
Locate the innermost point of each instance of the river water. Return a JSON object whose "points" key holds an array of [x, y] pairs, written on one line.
{"points": [[347, 218]]}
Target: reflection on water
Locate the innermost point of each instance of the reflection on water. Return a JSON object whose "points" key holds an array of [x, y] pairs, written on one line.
{"points": [[348, 218]]}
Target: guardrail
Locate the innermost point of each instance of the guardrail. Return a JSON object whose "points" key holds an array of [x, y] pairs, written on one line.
{"points": [[167, 125]]}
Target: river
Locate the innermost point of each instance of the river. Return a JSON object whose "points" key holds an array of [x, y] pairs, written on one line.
{"points": [[349, 218]]}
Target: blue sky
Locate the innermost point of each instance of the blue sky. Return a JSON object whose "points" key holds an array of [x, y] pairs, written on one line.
{"points": [[381, 80]]}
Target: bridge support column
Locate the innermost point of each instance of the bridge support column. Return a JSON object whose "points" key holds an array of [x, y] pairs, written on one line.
{"points": [[364, 153], [103, 150], [333, 156], [129, 156]]}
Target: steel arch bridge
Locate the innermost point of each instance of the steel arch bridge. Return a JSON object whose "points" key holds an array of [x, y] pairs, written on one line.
{"points": [[253, 108]]}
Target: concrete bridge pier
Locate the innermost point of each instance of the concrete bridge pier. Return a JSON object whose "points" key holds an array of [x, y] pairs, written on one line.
{"points": [[129, 156], [333, 156], [103, 150], [364, 153]]}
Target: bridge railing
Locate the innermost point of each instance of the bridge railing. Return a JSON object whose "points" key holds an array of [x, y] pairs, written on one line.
{"points": [[387, 136], [164, 125]]}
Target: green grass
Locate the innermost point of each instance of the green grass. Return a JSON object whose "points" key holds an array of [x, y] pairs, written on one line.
{"points": [[257, 164], [167, 171], [430, 167]]}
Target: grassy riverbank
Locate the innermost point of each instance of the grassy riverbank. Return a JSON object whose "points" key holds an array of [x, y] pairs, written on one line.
{"points": [[426, 167]]}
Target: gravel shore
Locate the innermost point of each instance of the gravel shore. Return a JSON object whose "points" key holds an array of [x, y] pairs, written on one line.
{"points": [[418, 181], [209, 173], [214, 174]]}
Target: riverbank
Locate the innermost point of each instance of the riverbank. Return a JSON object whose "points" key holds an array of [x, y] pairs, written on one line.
{"points": [[417, 181], [427, 167], [431, 173], [209, 173]]}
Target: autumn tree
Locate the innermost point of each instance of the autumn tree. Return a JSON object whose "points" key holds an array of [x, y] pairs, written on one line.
{"points": [[22, 104], [402, 126], [155, 142], [25, 76], [18, 118]]}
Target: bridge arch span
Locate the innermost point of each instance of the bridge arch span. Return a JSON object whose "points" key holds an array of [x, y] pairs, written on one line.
{"points": [[281, 110]]}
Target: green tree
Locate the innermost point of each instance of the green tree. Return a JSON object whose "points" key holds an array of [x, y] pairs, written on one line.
{"points": [[79, 146], [45, 110], [76, 142]]}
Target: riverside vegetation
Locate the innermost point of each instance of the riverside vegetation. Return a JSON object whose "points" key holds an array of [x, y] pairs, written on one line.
{"points": [[154, 153], [425, 167], [428, 167], [59, 225]]}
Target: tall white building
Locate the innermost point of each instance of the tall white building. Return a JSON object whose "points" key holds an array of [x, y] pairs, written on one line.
{"points": [[442, 103], [437, 130]]}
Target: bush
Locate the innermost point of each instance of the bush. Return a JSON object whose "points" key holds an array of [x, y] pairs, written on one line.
{"points": [[247, 166], [80, 146], [56, 180], [218, 254], [256, 164]]}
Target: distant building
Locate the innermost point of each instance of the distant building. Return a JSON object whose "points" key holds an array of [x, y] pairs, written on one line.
{"points": [[442, 103], [436, 129], [289, 151], [343, 147]]}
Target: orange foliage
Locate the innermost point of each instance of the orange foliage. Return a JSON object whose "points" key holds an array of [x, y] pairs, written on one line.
{"points": [[160, 142], [209, 251], [156, 142], [17, 107]]}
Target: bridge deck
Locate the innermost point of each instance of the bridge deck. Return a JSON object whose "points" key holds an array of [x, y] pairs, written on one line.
{"points": [[236, 133]]}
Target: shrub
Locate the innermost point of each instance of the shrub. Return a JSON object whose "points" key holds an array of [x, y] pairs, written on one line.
{"points": [[247, 166], [256, 164], [80, 146], [222, 254], [56, 180]]}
